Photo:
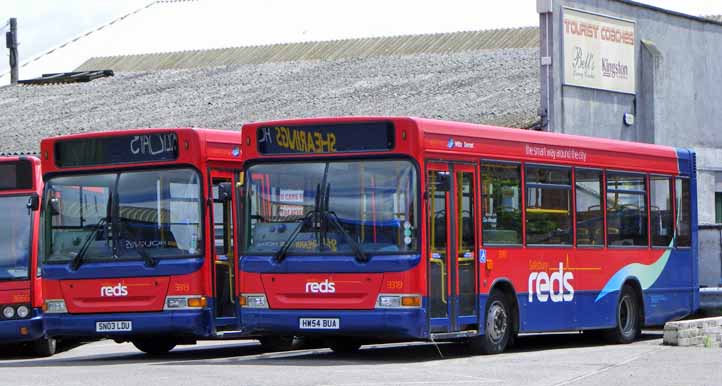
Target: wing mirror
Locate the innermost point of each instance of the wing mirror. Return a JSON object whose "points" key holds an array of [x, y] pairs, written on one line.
{"points": [[33, 202]]}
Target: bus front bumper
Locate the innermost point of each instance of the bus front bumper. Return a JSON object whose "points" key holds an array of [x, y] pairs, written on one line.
{"points": [[382, 324], [182, 323], [22, 330]]}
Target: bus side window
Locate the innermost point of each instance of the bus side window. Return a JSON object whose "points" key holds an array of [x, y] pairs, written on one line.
{"points": [[626, 209], [548, 205], [501, 203], [590, 216], [660, 211], [684, 213]]}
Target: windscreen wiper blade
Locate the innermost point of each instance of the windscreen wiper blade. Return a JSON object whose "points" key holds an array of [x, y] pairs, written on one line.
{"points": [[78, 259], [333, 219], [310, 216], [281, 254]]}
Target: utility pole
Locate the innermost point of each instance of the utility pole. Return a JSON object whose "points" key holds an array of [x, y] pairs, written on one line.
{"points": [[11, 41]]}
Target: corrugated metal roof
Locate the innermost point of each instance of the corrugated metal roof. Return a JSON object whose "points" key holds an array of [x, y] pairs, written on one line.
{"points": [[527, 37], [175, 26]]}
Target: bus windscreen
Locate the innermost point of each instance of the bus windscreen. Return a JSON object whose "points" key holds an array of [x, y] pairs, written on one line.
{"points": [[14, 238]]}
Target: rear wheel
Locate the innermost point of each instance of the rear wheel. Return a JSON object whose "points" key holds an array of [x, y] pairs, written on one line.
{"points": [[45, 347], [344, 346], [154, 346], [628, 316], [277, 343], [498, 326]]}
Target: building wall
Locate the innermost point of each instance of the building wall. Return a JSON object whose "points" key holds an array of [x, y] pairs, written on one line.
{"points": [[677, 98]]}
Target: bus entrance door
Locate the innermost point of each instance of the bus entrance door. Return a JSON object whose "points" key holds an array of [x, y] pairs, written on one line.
{"points": [[224, 299], [453, 266]]}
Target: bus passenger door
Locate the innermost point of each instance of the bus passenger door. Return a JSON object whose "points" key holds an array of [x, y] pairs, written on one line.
{"points": [[224, 299], [451, 247]]}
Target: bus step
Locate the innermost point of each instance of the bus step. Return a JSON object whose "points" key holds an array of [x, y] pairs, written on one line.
{"points": [[229, 334], [454, 335]]}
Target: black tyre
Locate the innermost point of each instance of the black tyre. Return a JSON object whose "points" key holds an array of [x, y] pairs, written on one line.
{"points": [[154, 346], [277, 343], [628, 316], [344, 346], [498, 326], [45, 347]]}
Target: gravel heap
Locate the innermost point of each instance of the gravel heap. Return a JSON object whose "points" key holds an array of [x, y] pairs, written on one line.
{"points": [[498, 87]]}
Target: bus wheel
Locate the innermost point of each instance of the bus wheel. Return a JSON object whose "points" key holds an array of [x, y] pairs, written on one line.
{"points": [[45, 347], [277, 343], [154, 346], [628, 326], [344, 346], [498, 327]]}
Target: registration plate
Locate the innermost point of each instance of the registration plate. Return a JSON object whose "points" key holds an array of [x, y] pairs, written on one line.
{"points": [[119, 325], [319, 323]]}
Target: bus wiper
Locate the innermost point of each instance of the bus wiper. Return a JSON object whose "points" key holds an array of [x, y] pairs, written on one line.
{"points": [[310, 216], [333, 219], [78, 259], [281, 254]]}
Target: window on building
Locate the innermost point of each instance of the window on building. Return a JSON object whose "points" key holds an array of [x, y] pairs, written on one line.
{"points": [[684, 213], [718, 207], [589, 200], [501, 200], [626, 209], [660, 211], [548, 205]]}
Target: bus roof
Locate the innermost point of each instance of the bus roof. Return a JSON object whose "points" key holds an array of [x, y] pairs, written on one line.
{"points": [[441, 136]]}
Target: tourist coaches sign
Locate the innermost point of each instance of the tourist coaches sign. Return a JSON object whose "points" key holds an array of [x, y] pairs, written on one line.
{"points": [[598, 51]]}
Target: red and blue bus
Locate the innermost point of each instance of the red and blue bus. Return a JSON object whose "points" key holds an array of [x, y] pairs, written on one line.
{"points": [[137, 235], [372, 229], [21, 293]]}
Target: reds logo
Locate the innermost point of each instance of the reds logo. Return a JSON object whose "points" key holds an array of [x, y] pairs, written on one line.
{"points": [[112, 291]]}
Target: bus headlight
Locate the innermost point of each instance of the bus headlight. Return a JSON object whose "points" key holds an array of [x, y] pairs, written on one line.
{"points": [[185, 302], [23, 312], [55, 306], [8, 312], [254, 301], [398, 301]]}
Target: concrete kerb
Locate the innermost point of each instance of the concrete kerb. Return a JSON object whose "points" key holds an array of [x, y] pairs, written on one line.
{"points": [[705, 332]]}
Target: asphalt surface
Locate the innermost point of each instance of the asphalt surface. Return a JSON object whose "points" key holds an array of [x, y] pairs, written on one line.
{"points": [[550, 359]]}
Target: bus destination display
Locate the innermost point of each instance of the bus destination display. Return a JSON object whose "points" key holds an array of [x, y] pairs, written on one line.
{"points": [[153, 147], [16, 175], [335, 138]]}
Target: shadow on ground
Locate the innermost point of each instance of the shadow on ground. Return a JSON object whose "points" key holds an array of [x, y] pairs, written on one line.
{"points": [[251, 353]]}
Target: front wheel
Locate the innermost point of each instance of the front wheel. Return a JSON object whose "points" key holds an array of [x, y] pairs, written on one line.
{"points": [[45, 347], [498, 326], [154, 346], [628, 316]]}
